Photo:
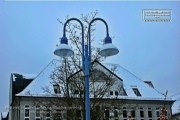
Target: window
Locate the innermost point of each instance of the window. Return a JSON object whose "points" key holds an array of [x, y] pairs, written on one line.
{"points": [[122, 92], [58, 112], [76, 92], [48, 113], [111, 92], [149, 113], [124, 112], [141, 112], [37, 113], [26, 112], [157, 112], [116, 93], [136, 91], [106, 112], [56, 89], [133, 114]]}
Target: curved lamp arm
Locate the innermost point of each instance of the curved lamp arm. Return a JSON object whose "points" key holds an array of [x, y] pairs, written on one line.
{"points": [[89, 34], [64, 35]]}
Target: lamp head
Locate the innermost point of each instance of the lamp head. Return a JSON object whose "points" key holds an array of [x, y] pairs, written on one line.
{"points": [[63, 50], [108, 48]]}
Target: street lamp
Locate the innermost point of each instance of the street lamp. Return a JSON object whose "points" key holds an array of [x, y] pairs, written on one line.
{"points": [[108, 49]]}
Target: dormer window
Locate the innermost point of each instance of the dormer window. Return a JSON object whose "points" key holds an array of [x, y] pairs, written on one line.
{"points": [[116, 93], [122, 92], [56, 89], [136, 91], [76, 92]]}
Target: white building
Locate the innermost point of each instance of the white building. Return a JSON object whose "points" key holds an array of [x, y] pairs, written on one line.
{"points": [[128, 96], [176, 107]]}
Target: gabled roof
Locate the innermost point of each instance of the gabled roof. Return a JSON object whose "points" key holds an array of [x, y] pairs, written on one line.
{"points": [[41, 82], [130, 81]]}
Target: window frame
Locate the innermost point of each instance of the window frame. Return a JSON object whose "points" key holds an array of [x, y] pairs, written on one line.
{"points": [[122, 92], [133, 113], [126, 115], [56, 89], [157, 112], [26, 107], [48, 109], [136, 91], [106, 113], [38, 108], [116, 93], [111, 93], [150, 116], [141, 110]]}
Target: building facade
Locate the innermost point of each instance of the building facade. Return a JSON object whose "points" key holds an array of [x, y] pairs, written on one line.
{"points": [[128, 96]]}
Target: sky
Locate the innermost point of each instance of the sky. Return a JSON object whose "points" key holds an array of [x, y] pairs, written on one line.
{"points": [[29, 32]]}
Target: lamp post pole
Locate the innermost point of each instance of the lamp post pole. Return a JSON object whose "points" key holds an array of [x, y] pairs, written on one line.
{"points": [[88, 65], [86, 74], [64, 50]]}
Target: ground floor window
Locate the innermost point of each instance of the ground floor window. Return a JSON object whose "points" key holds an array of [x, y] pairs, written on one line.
{"points": [[124, 113], [26, 112]]}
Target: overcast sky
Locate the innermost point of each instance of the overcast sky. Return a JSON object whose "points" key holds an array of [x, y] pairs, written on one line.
{"points": [[29, 32]]}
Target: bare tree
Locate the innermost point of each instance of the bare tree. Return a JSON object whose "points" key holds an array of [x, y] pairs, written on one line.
{"points": [[69, 77]]}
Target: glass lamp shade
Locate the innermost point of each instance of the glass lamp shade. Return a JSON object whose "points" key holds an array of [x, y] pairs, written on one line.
{"points": [[63, 50], [108, 49]]}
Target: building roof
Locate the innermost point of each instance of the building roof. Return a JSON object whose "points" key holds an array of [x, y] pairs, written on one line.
{"points": [[131, 81], [17, 76], [19, 81], [176, 104], [42, 83]]}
